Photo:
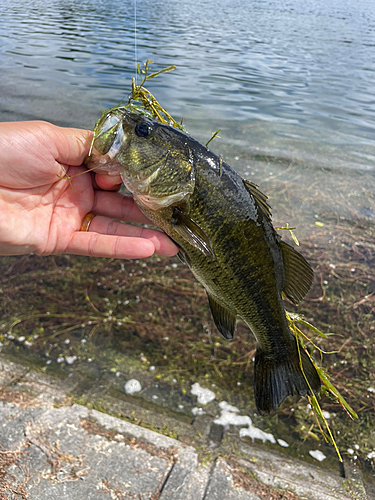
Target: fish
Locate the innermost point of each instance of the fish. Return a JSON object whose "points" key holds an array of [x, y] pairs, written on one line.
{"points": [[222, 226]]}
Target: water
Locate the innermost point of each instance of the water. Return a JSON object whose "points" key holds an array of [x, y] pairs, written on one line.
{"points": [[290, 84], [281, 79]]}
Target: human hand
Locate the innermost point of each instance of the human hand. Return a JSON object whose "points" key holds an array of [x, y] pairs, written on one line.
{"points": [[41, 211]]}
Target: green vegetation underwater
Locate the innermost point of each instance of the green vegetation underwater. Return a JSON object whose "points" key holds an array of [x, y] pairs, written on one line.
{"points": [[107, 319]]}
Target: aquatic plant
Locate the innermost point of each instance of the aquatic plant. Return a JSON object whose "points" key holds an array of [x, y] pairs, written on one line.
{"points": [[142, 101], [56, 323]]}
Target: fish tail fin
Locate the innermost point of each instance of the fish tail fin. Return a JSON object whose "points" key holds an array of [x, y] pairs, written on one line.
{"points": [[277, 378]]}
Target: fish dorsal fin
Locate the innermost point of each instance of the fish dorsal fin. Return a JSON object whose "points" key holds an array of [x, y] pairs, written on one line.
{"points": [[191, 232], [298, 273], [225, 320], [260, 197]]}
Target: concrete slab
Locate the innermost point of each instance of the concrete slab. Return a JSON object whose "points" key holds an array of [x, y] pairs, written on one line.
{"points": [[285, 473], [69, 451], [221, 485]]}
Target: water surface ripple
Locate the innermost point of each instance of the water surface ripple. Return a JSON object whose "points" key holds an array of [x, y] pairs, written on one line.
{"points": [[287, 80]]}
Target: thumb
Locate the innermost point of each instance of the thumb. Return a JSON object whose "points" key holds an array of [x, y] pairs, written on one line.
{"points": [[72, 144]]}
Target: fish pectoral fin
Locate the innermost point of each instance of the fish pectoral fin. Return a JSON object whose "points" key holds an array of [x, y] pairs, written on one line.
{"points": [[298, 273], [183, 257], [225, 320], [260, 197], [191, 232]]}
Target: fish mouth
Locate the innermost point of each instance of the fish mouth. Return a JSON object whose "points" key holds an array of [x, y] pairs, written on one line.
{"points": [[111, 135], [120, 138], [114, 133]]}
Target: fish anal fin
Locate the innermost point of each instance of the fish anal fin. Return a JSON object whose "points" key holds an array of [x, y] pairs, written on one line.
{"points": [[276, 379], [260, 197], [225, 320], [191, 232], [298, 273]]}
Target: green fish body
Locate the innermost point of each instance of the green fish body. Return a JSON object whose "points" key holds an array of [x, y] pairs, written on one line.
{"points": [[222, 225]]}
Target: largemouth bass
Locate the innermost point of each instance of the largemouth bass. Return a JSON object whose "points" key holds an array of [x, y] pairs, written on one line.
{"points": [[222, 225]]}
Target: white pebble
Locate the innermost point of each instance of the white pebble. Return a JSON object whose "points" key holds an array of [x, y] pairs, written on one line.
{"points": [[318, 455], [204, 395], [197, 411], [255, 433], [132, 386], [226, 406], [283, 443]]}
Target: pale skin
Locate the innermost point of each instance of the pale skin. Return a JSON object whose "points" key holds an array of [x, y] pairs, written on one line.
{"points": [[41, 212]]}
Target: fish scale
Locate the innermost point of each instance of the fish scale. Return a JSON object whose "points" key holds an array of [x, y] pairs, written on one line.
{"points": [[239, 279], [222, 225]]}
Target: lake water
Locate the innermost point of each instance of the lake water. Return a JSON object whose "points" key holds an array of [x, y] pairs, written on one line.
{"points": [[291, 80], [290, 84]]}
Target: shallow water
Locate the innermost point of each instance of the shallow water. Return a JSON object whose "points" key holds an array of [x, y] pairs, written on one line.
{"points": [[290, 84]]}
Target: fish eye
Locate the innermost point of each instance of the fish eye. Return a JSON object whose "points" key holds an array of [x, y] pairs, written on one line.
{"points": [[142, 129]]}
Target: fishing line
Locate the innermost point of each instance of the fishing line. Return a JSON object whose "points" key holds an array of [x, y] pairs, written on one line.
{"points": [[135, 40]]}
